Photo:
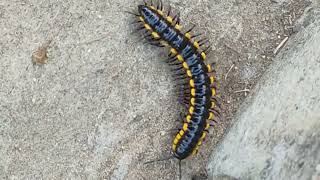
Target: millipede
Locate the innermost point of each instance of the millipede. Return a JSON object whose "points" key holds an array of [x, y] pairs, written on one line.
{"points": [[196, 79]]}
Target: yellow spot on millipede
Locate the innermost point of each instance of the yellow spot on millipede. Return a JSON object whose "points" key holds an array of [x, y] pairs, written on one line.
{"points": [[193, 92], [174, 147], [211, 80], [181, 132], [191, 82], [211, 115], [209, 67], [185, 65], [160, 12], [169, 19], [178, 26], [188, 118], [173, 51], [147, 26], [203, 55], [185, 126], [155, 35], [194, 152], [196, 44], [189, 73], [192, 101], [213, 92], [191, 109], [213, 105], [180, 58], [207, 126], [187, 35], [203, 135], [152, 7]]}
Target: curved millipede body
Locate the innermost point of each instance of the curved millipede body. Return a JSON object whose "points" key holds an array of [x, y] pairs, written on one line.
{"points": [[197, 81]]}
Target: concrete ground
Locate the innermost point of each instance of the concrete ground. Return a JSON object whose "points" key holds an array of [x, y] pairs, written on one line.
{"points": [[104, 102]]}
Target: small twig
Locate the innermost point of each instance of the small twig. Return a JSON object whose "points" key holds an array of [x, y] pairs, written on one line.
{"points": [[225, 78], [280, 45], [94, 40], [245, 90]]}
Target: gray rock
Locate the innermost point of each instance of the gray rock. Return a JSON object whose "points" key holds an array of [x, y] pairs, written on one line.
{"points": [[276, 134]]}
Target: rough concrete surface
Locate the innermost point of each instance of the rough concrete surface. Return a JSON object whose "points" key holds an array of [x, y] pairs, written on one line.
{"points": [[104, 102], [276, 135]]}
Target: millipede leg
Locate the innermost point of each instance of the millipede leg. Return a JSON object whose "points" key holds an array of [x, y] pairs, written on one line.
{"points": [[180, 170], [132, 13], [216, 113], [196, 35], [176, 19], [181, 74], [207, 50], [213, 120], [138, 29], [175, 64], [169, 10], [171, 60], [135, 22], [161, 5], [193, 26], [203, 42]]}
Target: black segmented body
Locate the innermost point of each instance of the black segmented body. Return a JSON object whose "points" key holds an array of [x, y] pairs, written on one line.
{"points": [[165, 30]]}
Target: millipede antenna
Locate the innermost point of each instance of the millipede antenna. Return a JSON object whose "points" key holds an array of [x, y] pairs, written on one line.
{"points": [[179, 169], [157, 160]]}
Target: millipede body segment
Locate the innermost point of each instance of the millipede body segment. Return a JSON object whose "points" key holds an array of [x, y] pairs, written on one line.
{"points": [[197, 80]]}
